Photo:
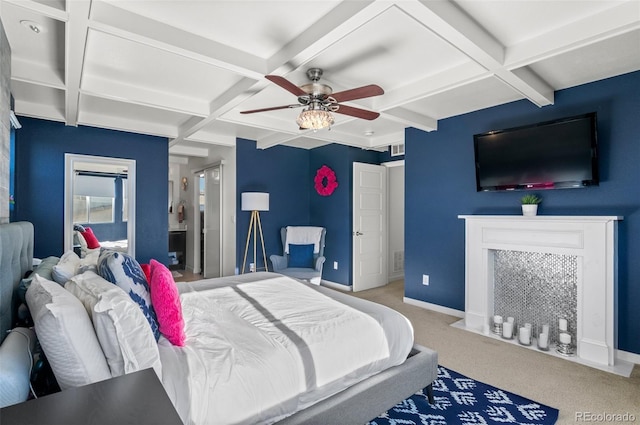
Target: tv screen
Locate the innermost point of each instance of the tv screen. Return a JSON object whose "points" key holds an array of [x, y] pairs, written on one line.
{"points": [[549, 155]]}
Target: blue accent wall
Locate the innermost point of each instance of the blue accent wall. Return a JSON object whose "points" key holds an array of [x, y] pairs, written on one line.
{"points": [[281, 171], [39, 190], [287, 174], [335, 212], [440, 185]]}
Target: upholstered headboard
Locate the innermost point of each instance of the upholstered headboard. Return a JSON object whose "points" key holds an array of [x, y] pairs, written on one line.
{"points": [[16, 258]]}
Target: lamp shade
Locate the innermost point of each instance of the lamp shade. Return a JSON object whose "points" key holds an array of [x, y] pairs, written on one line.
{"points": [[255, 201]]}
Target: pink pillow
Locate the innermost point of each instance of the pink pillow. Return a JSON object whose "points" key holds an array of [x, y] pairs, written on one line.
{"points": [[90, 238], [166, 302]]}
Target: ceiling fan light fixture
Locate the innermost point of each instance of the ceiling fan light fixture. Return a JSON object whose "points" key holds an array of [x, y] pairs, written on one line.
{"points": [[315, 119]]}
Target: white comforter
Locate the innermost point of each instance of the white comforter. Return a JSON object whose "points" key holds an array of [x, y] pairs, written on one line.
{"points": [[259, 351]]}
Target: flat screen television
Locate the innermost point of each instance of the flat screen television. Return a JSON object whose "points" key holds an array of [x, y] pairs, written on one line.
{"points": [[549, 155]]}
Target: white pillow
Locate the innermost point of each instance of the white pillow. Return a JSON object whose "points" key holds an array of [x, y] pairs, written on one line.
{"points": [[66, 335], [124, 333], [66, 268]]}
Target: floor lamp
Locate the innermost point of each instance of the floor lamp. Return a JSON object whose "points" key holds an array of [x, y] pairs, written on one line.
{"points": [[255, 202]]}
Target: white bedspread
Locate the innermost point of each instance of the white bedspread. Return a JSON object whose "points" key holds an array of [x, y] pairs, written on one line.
{"points": [[259, 351]]}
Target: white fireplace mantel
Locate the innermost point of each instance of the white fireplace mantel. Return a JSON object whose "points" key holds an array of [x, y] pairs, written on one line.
{"points": [[592, 239]]}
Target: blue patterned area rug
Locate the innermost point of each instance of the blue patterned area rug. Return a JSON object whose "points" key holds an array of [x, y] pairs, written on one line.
{"points": [[465, 401]]}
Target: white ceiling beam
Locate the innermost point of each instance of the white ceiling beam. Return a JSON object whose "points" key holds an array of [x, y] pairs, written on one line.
{"points": [[41, 8], [342, 20], [36, 73], [387, 139], [431, 85], [450, 23], [119, 22], [592, 29], [411, 119], [120, 91], [223, 103], [178, 160], [132, 124], [75, 41], [189, 151], [39, 110], [213, 139]]}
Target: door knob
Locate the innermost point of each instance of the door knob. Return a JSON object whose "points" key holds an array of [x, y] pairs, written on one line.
{"points": [[358, 233]]}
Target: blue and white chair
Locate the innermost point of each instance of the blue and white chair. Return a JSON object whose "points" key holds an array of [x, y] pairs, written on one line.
{"points": [[303, 253]]}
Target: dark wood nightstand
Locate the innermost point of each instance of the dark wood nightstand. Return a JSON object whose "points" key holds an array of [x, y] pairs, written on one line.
{"points": [[137, 399]]}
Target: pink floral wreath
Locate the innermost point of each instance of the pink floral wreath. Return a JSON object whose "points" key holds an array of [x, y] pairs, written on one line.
{"points": [[325, 187]]}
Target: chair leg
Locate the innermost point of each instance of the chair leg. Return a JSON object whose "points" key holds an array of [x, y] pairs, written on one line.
{"points": [[430, 394]]}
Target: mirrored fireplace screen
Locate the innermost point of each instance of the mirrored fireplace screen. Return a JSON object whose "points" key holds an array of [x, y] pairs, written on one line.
{"points": [[536, 288]]}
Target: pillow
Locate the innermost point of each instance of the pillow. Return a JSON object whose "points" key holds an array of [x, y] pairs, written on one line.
{"points": [[89, 262], [123, 332], [82, 242], [124, 271], [90, 238], [78, 228], [301, 255], [66, 268], [66, 335], [166, 302], [146, 269], [15, 366], [44, 269]]}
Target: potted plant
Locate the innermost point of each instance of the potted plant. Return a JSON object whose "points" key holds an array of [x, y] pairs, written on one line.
{"points": [[530, 204]]}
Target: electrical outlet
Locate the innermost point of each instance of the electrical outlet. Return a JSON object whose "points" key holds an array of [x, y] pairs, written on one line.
{"points": [[425, 279], [335, 265]]}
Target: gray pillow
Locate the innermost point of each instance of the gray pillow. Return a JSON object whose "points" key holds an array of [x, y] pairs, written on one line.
{"points": [[44, 269], [15, 365]]}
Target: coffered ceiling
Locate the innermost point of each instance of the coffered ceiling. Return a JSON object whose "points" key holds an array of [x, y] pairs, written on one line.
{"points": [[185, 69]]}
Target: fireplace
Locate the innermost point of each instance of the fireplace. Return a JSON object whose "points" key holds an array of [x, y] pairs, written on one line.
{"points": [[585, 245]]}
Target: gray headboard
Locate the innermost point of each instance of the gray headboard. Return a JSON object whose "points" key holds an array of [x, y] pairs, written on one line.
{"points": [[16, 258]]}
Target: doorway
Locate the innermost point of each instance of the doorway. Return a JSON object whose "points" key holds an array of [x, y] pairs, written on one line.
{"points": [[208, 222]]}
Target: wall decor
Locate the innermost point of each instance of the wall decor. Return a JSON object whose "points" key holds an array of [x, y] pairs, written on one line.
{"points": [[325, 181]]}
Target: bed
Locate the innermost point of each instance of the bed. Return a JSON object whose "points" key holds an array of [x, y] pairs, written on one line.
{"points": [[266, 348]]}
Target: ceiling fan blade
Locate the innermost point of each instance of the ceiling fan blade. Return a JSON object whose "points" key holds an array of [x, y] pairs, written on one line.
{"points": [[357, 112], [358, 93], [286, 84], [273, 108]]}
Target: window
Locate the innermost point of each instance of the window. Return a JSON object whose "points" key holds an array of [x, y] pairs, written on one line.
{"points": [[397, 150], [93, 199], [92, 209]]}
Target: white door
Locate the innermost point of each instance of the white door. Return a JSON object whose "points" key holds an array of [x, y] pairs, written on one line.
{"points": [[369, 226], [212, 222]]}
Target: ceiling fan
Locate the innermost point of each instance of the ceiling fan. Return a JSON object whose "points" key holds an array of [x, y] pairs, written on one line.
{"points": [[319, 101]]}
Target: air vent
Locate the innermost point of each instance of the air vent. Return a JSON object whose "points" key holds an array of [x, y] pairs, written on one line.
{"points": [[397, 150]]}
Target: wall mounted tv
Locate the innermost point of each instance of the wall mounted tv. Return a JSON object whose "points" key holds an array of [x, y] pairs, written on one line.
{"points": [[549, 155]]}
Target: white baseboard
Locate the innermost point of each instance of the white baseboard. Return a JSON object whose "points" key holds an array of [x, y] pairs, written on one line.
{"points": [[334, 285], [627, 356], [434, 307]]}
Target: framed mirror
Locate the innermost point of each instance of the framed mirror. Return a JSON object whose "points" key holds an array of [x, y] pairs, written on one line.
{"points": [[100, 192]]}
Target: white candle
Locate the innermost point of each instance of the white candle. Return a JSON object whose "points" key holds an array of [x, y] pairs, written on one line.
{"points": [[507, 330], [525, 335], [562, 324], [565, 338], [497, 319], [545, 329], [510, 319], [543, 340]]}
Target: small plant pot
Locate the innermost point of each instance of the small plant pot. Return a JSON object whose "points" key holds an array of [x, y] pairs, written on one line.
{"points": [[529, 210]]}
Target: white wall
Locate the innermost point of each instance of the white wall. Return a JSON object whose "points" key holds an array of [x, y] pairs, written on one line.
{"points": [[5, 101], [395, 193]]}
